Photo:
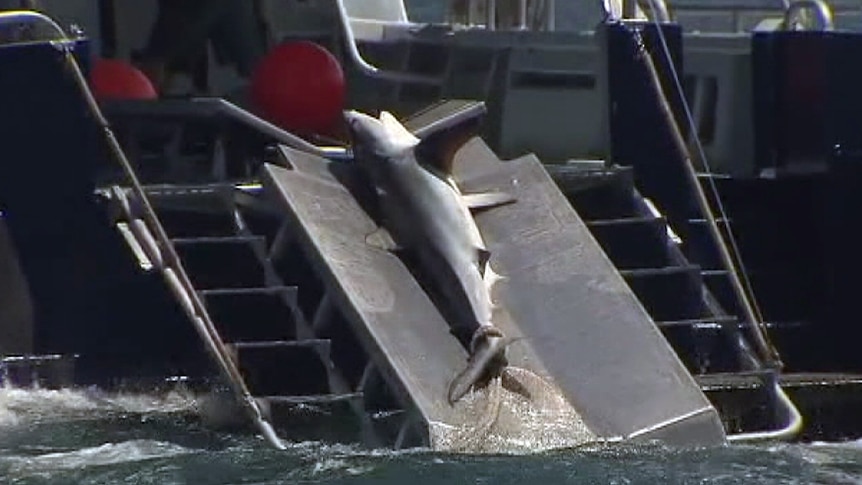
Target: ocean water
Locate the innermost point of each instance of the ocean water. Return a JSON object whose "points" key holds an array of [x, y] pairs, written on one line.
{"points": [[84, 437]]}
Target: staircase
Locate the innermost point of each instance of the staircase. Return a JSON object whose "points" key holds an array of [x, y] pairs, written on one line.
{"points": [[282, 336], [691, 303]]}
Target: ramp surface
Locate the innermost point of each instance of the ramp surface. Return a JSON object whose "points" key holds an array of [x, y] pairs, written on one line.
{"points": [[582, 324], [408, 339], [586, 335]]}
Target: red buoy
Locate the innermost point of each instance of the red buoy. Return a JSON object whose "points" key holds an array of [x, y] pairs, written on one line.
{"points": [[300, 87], [116, 79]]}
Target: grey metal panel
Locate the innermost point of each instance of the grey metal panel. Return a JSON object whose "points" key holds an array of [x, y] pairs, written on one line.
{"points": [[410, 341], [582, 323]]}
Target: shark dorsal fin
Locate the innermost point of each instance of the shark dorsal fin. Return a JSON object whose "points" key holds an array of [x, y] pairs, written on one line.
{"points": [[399, 135]]}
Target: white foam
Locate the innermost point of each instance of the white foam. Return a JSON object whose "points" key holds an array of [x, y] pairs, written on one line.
{"points": [[106, 454], [19, 406]]}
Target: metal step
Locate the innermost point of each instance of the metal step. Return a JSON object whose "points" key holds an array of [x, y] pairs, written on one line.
{"points": [[184, 223], [284, 367], [668, 293], [597, 194], [252, 314], [312, 399], [633, 242], [712, 175], [326, 417], [706, 323], [698, 243], [193, 241], [222, 262], [323, 344], [701, 344]]}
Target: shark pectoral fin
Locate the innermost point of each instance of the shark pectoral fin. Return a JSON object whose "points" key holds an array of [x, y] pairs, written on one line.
{"points": [[381, 239], [487, 200]]}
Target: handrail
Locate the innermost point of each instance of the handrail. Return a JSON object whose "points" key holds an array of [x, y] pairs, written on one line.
{"points": [[794, 16], [629, 8], [366, 67], [658, 9], [201, 319], [12, 17], [543, 17], [767, 352]]}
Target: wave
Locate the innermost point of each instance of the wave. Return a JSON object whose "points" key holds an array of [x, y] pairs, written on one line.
{"points": [[106, 454], [20, 406]]}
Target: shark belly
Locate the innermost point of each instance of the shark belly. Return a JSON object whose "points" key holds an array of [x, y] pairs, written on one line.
{"points": [[427, 218]]}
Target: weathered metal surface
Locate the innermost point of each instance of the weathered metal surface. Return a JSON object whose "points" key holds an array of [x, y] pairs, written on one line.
{"points": [[579, 319], [387, 309], [407, 338], [584, 332]]}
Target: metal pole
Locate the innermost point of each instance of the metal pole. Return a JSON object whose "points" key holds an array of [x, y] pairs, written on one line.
{"points": [[522, 14], [200, 319], [767, 352]]}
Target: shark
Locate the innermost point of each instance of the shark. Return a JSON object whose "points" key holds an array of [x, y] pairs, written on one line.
{"points": [[426, 214]]}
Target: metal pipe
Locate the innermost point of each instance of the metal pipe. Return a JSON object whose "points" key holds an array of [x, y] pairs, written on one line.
{"points": [[203, 324], [366, 67], [786, 432], [769, 354], [491, 14], [659, 10], [522, 14], [13, 17], [471, 9], [200, 319], [822, 14]]}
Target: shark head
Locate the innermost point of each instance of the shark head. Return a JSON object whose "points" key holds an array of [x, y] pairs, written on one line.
{"points": [[382, 138]]}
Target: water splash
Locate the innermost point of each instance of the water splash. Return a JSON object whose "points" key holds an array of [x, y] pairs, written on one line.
{"points": [[530, 417], [20, 406]]}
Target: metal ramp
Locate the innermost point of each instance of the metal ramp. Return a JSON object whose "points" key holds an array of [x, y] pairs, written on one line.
{"points": [[584, 331], [675, 291], [689, 299]]}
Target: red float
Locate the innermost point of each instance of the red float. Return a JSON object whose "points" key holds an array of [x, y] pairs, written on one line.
{"points": [[300, 87], [116, 79]]}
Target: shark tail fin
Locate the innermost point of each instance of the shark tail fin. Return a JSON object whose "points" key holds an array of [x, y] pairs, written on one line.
{"points": [[487, 360]]}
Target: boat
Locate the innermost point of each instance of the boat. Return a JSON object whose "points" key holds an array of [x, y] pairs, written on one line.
{"points": [[680, 260]]}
